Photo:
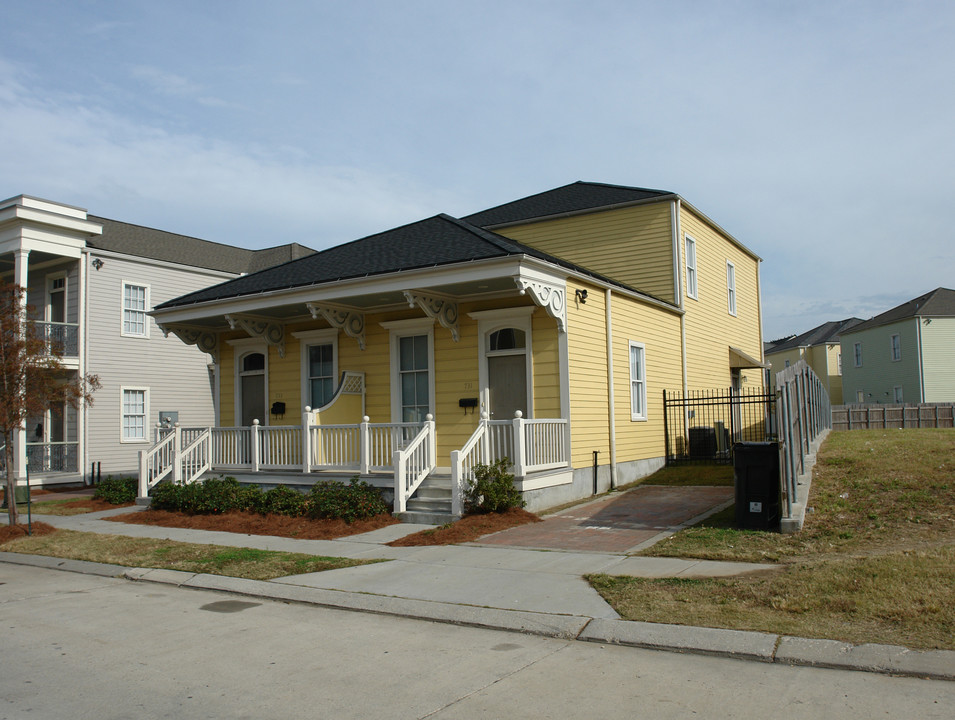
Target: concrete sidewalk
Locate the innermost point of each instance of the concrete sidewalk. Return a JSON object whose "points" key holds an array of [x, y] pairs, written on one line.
{"points": [[540, 592]]}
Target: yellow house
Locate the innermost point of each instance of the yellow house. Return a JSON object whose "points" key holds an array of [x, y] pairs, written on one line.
{"points": [[544, 330], [820, 349]]}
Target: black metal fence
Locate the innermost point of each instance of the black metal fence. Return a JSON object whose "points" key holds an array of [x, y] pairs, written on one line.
{"points": [[701, 426]]}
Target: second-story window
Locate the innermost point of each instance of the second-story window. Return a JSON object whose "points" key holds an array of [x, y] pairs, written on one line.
{"points": [[135, 299], [731, 287], [858, 354], [691, 267], [896, 347]]}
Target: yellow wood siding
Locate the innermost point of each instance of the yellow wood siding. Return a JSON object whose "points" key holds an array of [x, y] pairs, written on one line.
{"points": [[631, 245], [587, 347], [659, 331], [546, 365], [710, 329]]}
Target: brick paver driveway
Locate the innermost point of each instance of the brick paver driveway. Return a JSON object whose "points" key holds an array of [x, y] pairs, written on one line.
{"points": [[617, 523]]}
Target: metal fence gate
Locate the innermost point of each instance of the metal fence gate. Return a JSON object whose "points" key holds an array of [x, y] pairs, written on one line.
{"points": [[701, 426]]}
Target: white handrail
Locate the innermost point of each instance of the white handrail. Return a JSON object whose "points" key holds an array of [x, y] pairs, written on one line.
{"points": [[196, 458], [157, 462], [414, 463]]}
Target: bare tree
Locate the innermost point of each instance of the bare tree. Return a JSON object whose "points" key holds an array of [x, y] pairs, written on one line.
{"points": [[32, 376]]}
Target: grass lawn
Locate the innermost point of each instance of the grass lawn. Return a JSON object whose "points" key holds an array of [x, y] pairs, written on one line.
{"points": [[875, 561], [151, 553]]}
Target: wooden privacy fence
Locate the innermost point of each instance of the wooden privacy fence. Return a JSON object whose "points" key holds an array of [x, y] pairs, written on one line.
{"points": [[879, 417], [803, 414]]}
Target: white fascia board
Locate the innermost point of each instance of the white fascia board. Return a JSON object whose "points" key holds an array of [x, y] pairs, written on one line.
{"points": [[42, 241], [18, 213], [333, 292]]}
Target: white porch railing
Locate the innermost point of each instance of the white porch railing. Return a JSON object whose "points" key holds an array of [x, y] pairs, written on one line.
{"points": [[530, 445], [414, 463], [170, 457]]}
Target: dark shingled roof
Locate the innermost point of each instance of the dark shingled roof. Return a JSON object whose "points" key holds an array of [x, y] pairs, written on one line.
{"points": [[435, 241], [938, 303], [576, 197], [825, 333], [170, 247]]}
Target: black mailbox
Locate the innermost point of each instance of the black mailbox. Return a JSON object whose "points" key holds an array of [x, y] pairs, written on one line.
{"points": [[278, 408]]}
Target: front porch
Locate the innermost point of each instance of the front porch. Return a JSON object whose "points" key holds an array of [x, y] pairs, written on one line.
{"points": [[398, 457]]}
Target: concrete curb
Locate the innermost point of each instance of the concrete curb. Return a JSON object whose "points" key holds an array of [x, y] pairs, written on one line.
{"points": [[738, 644]]}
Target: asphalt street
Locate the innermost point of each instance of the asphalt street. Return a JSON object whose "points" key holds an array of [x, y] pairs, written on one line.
{"points": [[82, 646]]}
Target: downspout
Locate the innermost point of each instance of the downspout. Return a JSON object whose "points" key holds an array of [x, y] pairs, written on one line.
{"points": [[85, 310], [678, 257], [610, 402], [918, 340]]}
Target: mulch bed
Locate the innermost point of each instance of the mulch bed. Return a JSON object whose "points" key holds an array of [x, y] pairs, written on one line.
{"points": [[467, 529], [248, 523], [12, 532]]}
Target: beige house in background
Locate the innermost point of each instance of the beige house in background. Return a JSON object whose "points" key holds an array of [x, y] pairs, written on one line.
{"points": [[820, 349]]}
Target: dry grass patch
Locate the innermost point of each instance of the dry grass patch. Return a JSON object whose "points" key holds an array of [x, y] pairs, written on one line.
{"points": [[75, 506], [874, 562], [167, 554]]}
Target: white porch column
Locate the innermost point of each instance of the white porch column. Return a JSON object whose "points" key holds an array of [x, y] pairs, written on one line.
{"points": [[20, 275]]}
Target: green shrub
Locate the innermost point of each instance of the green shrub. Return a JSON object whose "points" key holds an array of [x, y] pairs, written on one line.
{"points": [[117, 491], [282, 500], [355, 501], [212, 497], [492, 489]]}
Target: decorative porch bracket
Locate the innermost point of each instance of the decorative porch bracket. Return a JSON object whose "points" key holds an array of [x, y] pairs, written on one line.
{"points": [[206, 341], [550, 297], [351, 321], [273, 333], [442, 309]]}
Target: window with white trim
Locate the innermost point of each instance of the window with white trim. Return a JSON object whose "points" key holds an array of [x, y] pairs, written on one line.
{"points": [[731, 287], [860, 396], [321, 374], [638, 381], [897, 393], [135, 406], [896, 347], [135, 305], [857, 349], [839, 363], [691, 284]]}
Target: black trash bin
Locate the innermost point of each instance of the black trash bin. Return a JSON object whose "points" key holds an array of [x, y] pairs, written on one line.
{"points": [[756, 477]]}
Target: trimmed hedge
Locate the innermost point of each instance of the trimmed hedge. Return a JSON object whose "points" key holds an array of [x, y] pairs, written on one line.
{"points": [[356, 501], [117, 491]]}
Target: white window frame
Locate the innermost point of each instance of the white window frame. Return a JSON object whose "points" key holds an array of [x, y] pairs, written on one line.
{"points": [[895, 347], [398, 329], [123, 438], [638, 385], [48, 306], [860, 396], [490, 321], [897, 394], [731, 288], [857, 354], [241, 348], [839, 363], [692, 274], [310, 338], [123, 309]]}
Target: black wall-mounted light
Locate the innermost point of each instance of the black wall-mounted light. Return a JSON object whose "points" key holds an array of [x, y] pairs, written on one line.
{"points": [[581, 296], [97, 263]]}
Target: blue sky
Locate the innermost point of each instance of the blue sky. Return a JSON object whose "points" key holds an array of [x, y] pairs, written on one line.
{"points": [[820, 134]]}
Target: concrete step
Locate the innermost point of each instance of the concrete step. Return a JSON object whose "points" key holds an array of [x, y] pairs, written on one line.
{"points": [[429, 504], [425, 518]]}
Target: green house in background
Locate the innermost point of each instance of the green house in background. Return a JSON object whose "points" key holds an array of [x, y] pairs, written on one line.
{"points": [[904, 355]]}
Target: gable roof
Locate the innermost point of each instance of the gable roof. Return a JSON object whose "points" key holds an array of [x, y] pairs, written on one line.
{"points": [[576, 197], [433, 242], [826, 333], [155, 244], [940, 302]]}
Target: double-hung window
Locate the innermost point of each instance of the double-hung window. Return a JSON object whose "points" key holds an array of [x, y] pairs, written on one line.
{"points": [[638, 381], [857, 349], [896, 345], [135, 302], [897, 393], [321, 374], [691, 283], [731, 287], [134, 410]]}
